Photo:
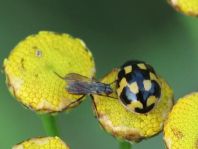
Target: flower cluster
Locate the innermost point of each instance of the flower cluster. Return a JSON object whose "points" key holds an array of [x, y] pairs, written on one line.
{"points": [[181, 129], [188, 7], [42, 143], [34, 67]]}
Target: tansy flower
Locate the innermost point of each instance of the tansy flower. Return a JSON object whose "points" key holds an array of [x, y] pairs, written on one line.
{"points": [[35, 66], [127, 125], [181, 131], [189, 7], [42, 143]]}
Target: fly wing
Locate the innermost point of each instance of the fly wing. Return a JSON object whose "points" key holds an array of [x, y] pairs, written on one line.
{"points": [[78, 77], [78, 84]]}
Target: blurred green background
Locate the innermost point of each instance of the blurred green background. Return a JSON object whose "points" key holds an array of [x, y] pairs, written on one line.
{"points": [[115, 31]]}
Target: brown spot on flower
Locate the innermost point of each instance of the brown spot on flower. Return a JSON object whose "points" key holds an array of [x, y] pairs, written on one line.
{"points": [[177, 133], [22, 63], [196, 144], [38, 53]]}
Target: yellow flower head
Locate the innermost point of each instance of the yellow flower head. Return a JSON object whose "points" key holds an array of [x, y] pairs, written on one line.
{"points": [[33, 66], [42, 143], [181, 130], [188, 7], [122, 123]]}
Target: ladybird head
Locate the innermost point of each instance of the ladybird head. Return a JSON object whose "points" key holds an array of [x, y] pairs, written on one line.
{"points": [[138, 86]]}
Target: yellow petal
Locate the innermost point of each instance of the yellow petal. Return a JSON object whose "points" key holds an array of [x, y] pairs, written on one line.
{"points": [[42, 143], [181, 131], [122, 123], [188, 7], [32, 64]]}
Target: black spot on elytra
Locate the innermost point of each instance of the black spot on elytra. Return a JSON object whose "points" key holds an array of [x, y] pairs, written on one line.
{"points": [[132, 63], [124, 97], [145, 109], [121, 74], [156, 89]]}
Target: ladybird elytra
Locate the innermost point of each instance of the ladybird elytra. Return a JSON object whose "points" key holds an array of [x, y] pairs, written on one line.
{"points": [[138, 87]]}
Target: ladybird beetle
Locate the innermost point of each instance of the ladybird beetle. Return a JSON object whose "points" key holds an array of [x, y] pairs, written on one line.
{"points": [[138, 87]]}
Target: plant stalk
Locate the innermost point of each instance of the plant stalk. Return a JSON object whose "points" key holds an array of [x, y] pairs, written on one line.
{"points": [[125, 145], [49, 124]]}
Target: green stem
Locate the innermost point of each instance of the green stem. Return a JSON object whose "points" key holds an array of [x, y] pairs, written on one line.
{"points": [[49, 124], [125, 145]]}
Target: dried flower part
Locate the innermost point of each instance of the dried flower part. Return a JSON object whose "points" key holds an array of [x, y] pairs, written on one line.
{"points": [[33, 65], [188, 7], [180, 130], [42, 143], [122, 123]]}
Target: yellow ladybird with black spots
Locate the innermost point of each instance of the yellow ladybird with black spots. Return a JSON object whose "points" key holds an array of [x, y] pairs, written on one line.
{"points": [[137, 86]]}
